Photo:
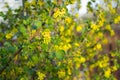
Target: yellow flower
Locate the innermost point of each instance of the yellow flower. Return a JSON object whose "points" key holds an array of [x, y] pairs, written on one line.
{"points": [[100, 23], [66, 47], [63, 11], [46, 36], [77, 65], [114, 68], [59, 63], [69, 71], [113, 11], [117, 20], [107, 73], [92, 67], [76, 15], [112, 33], [76, 44], [61, 28], [61, 73], [68, 32], [82, 59], [108, 27], [100, 34], [33, 32], [98, 46], [14, 30], [41, 76], [59, 13], [78, 28], [64, 39], [9, 36], [68, 20], [78, 61], [56, 47], [88, 44], [94, 27], [56, 13], [67, 78], [105, 41], [103, 64], [41, 3], [72, 1]]}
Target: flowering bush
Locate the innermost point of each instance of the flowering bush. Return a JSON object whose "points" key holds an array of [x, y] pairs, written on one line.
{"points": [[42, 41]]}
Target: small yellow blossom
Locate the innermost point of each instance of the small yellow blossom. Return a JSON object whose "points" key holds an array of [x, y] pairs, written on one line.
{"points": [[114, 68], [72, 1], [101, 22], [66, 47], [68, 20], [105, 41], [9, 36], [107, 73], [46, 36], [112, 33], [14, 30], [94, 27], [61, 28], [98, 46], [77, 44], [78, 28], [41, 76], [82, 59], [103, 64], [108, 27], [69, 71], [33, 32], [113, 11], [59, 63], [76, 15], [67, 78], [41, 3], [63, 10], [88, 44], [92, 67], [117, 20], [56, 13], [61, 73], [68, 32], [100, 34], [59, 13]]}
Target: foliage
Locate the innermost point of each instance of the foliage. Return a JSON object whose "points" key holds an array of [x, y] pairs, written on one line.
{"points": [[41, 40]]}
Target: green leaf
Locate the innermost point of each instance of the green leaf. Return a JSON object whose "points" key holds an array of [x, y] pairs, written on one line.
{"points": [[38, 24], [24, 22], [7, 44], [51, 55], [35, 59], [60, 54], [11, 49], [22, 29]]}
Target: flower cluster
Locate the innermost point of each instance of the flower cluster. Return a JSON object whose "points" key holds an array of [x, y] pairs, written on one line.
{"points": [[41, 76], [46, 36], [117, 20]]}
